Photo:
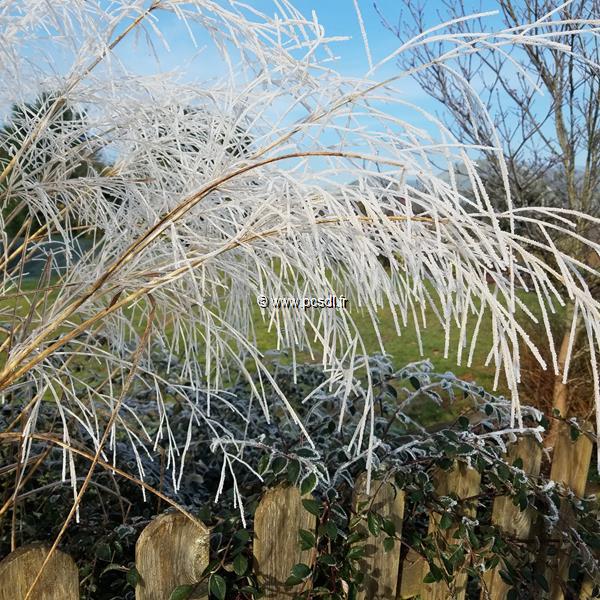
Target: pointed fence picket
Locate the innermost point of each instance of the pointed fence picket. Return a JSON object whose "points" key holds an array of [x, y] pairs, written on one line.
{"points": [[174, 549], [279, 517], [570, 467], [508, 517], [462, 483]]}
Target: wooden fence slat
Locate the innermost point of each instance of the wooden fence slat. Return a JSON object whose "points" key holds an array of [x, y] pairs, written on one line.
{"points": [[412, 572], [380, 568], [59, 580], [508, 517], [463, 482], [570, 466], [173, 550], [277, 521], [571, 460]]}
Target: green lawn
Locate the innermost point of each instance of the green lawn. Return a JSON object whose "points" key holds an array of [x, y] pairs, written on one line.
{"points": [[403, 349]]}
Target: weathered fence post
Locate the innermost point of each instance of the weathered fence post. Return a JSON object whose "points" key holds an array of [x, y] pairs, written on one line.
{"points": [[173, 550], [277, 521], [463, 482], [59, 580], [570, 466], [380, 568], [508, 517]]}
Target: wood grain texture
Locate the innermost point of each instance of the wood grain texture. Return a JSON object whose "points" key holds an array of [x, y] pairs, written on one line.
{"points": [[462, 482], [380, 568], [171, 551], [570, 466], [412, 570], [508, 517], [571, 460], [278, 519], [59, 580]]}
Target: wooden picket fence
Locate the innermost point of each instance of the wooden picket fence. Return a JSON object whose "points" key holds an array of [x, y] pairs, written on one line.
{"points": [[174, 550]]}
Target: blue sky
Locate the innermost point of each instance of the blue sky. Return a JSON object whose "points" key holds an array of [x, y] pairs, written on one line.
{"points": [[338, 18]]}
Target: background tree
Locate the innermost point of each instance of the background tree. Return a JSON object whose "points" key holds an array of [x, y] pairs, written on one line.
{"points": [[66, 150], [550, 143]]}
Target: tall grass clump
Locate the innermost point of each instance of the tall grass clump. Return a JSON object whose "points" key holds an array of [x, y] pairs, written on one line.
{"points": [[160, 205]]}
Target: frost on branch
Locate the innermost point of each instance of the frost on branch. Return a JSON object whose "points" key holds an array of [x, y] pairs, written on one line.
{"points": [[278, 177]]}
